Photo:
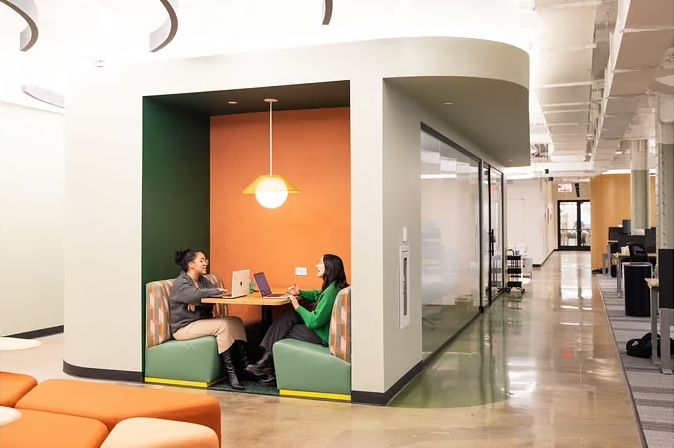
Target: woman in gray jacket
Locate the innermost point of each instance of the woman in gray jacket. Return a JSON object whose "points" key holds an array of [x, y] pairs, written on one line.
{"points": [[191, 319]]}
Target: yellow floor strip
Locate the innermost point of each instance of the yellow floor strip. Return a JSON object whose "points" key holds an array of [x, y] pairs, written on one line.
{"points": [[202, 384], [321, 395]]}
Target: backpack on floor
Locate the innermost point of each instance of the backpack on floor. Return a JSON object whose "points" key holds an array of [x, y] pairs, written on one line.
{"points": [[641, 348]]}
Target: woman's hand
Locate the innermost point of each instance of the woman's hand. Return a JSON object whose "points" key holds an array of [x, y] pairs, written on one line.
{"points": [[191, 307], [223, 292], [294, 290], [294, 302]]}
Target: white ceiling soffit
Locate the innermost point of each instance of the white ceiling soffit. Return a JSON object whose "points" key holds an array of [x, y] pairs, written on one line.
{"points": [[28, 12], [163, 35]]}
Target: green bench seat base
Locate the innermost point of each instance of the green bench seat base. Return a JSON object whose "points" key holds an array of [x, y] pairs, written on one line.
{"points": [[310, 370], [184, 363]]}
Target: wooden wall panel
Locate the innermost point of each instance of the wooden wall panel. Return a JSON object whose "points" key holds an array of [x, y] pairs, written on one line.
{"points": [[611, 198]]}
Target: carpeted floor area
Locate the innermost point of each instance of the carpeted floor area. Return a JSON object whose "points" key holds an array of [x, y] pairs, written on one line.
{"points": [[653, 391]]}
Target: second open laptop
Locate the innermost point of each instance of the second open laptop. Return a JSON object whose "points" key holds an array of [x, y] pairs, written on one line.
{"points": [[263, 286], [240, 280]]}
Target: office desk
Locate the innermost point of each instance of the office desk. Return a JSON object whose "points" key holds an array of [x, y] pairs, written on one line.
{"points": [[665, 323], [253, 299]]}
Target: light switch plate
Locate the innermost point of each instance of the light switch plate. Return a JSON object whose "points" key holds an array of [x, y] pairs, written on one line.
{"points": [[300, 270]]}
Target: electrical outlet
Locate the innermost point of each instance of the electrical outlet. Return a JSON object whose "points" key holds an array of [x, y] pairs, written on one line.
{"points": [[300, 270]]}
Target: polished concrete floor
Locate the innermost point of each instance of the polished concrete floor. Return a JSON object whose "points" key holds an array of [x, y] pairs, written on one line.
{"points": [[543, 372]]}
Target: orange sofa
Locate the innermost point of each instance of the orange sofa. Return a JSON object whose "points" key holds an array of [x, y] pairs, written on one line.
{"points": [[110, 403], [14, 386], [46, 429]]}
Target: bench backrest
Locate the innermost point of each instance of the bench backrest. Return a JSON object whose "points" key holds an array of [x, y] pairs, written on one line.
{"points": [[340, 326], [157, 316]]}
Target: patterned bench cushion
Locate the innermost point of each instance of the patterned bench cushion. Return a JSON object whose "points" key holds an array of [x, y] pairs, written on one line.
{"points": [[340, 326], [157, 317]]}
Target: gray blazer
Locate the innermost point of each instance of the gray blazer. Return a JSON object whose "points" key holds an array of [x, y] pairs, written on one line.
{"points": [[184, 293]]}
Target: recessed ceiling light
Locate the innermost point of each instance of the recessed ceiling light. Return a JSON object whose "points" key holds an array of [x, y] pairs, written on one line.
{"points": [[232, 102], [619, 151], [448, 103]]}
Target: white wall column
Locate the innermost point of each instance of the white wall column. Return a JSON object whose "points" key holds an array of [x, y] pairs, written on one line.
{"points": [[664, 135], [639, 181]]}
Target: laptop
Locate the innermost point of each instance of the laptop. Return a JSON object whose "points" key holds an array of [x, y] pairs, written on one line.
{"points": [[263, 286], [240, 280]]}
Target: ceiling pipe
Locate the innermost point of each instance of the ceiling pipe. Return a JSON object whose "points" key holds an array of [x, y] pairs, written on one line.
{"points": [[28, 12], [163, 35]]}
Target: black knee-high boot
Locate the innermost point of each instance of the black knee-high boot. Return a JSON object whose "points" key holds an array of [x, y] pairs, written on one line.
{"points": [[231, 371], [242, 358]]}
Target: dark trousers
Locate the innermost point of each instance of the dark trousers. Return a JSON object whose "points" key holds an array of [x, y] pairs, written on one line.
{"points": [[290, 325]]}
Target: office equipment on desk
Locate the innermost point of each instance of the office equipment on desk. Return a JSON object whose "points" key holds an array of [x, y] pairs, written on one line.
{"points": [[637, 253], [649, 239], [627, 226], [263, 286], [613, 233], [240, 281]]}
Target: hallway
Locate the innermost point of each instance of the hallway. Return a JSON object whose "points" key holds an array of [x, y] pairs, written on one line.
{"points": [[553, 380]]}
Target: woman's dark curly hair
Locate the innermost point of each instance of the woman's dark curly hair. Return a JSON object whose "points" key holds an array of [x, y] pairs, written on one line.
{"points": [[184, 257]]}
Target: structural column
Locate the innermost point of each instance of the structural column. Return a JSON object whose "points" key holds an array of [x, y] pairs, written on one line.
{"points": [[639, 178], [664, 135]]}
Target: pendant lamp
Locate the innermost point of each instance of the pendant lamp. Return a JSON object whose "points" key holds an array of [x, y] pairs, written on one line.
{"points": [[270, 191]]}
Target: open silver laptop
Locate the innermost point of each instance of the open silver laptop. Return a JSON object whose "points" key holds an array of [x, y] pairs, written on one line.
{"points": [[240, 281]]}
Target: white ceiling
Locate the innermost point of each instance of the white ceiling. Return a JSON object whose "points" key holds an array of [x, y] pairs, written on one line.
{"points": [[593, 61]]}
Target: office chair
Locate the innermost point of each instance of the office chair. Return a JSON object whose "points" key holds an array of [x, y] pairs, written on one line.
{"points": [[637, 252]]}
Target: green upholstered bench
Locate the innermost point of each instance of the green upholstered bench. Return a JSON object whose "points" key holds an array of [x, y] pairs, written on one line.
{"points": [[311, 370], [167, 361]]}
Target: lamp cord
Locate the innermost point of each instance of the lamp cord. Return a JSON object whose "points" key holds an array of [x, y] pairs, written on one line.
{"points": [[270, 142]]}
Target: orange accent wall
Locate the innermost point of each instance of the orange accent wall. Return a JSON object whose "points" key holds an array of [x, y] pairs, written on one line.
{"points": [[611, 198], [312, 150]]}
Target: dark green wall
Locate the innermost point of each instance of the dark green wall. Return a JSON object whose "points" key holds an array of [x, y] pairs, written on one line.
{"points": [[176, 190], [176, 187]]}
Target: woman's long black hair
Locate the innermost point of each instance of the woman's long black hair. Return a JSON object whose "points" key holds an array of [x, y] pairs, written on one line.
{"points": [[334, 272], [184, 257]]}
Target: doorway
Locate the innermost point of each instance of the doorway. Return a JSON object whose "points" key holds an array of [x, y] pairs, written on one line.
{"points": [[492, 206], [574, 229]]}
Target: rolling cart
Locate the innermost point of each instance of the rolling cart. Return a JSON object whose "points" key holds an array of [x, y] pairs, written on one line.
{"points": [[514, 268]]}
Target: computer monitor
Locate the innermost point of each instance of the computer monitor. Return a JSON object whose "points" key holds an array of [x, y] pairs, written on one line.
{"points": [[613, 233], [627, 226]]}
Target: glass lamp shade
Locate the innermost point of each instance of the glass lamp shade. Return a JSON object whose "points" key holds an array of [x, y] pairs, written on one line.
{"points": [[270, 191]]}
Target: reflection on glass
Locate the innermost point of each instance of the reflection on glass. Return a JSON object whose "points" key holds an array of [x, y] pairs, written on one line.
{"points": [[486, 251], [585, 226], [495, 217], [450, 241], [568, 233]]}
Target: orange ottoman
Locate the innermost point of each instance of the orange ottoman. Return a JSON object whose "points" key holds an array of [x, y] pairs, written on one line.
{"points": [[111, 403], [14, 386], [158, 433], [42, 429]]}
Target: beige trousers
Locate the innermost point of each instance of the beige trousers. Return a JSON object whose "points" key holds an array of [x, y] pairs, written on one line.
{"points": [[225, 329]]}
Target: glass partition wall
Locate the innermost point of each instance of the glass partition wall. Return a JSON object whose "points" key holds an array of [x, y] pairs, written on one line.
{"points": [[450, 239]]}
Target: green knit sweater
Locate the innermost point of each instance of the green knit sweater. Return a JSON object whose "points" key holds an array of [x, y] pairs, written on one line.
{"points": [[319, 319]]}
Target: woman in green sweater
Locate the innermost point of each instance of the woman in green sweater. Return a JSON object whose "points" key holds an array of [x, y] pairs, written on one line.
{"points": [[310, 325]]}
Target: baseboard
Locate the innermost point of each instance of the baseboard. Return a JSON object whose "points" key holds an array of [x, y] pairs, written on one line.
{"points": [[199, 384], [102, 374], [315, 395], [38, 333], [382, 399], [536, 265]]}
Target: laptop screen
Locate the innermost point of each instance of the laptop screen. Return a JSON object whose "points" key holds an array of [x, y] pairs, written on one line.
{"points": [[262, 284]]}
